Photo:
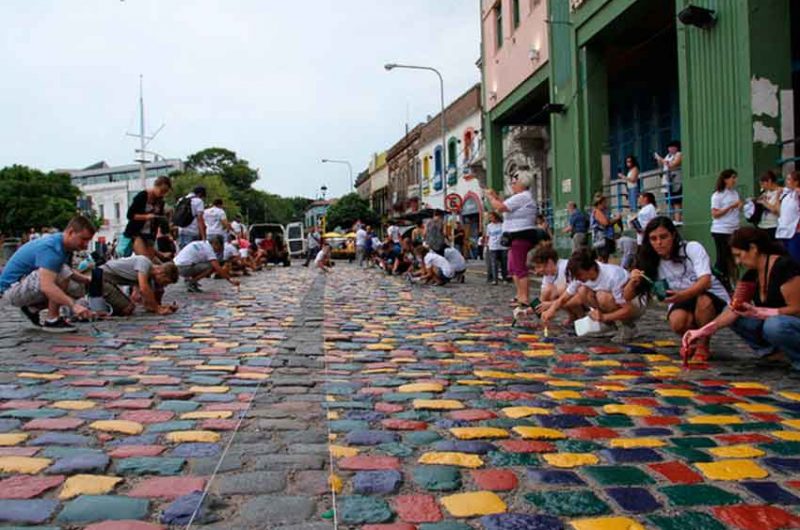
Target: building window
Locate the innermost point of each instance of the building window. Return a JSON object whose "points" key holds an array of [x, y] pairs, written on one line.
{"points": [[515, 13], [437, 160], [469, 135], [116, 211], [498, 25], [102, 211]]}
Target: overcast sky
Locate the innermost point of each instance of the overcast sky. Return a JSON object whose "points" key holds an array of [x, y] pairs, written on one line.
{"points": [[282, 83]]}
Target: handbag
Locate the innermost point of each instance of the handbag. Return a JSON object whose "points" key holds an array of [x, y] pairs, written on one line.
{"points": [[505, 239]]}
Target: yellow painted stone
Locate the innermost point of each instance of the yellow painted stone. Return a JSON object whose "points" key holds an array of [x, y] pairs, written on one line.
{"points": [[254, 376], [789, 436], [225, 344], [731, 470], [528, 336], [657, 358], [494, 374], [74, 405], [571, 459], [420, 387], [438, 404], [151, 358], [335, 483], [163, 346], [207, 415], [209, 389], [532, 377], [792, 396], [606, 523], [193, 436], [675, 392], [719, 419], [565, 383], [216, 368], [755, 407], [473, 504], [539, 433], [521, 412], [606, 362], [451, 459], [379, 347], [628, 443], [168, 338], [474, 433], [562, 394], [664, 343], [619, 377], [12, 438], [736, 451], [23, 464], [628, 410], [87, 485], [538, 353], [474, 382], [379, 371], [332, 415], [612, 387], [120, 426], [794, 424], [749, 384], [666, 370], [33, 375], [340, 451], [417, 375]]}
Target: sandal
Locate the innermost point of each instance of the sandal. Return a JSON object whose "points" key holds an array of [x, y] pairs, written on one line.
{"points": [[701, 355]]}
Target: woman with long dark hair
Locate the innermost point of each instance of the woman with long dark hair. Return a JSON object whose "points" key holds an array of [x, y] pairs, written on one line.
{"points": [[770, 322], [679, 273], [725, 205], [631, 178], [602, 224]]}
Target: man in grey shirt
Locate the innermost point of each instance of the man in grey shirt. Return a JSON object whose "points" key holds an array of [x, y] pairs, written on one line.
{"points": [[434, 233], [137, 272]]}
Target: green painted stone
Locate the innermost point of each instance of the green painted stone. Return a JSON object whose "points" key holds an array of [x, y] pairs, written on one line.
{"points": [[420, 438], [62, 452], [401, 397], [437, 478], [348, 367], [178, 406], [169, 426], [678, 401], [614, 420], [62, 395], [32, 414], [568, 503], [486, 404], [123, 381], [618, 475], [700, 428], [445, 525], [149, 465], [339, 390], [782, 448], [358, 509], [348, 425], [510, 423], [593, 402], [88, 508], [716, 409], [395, 449], [463, 390], [388, 382], [417, 415], [693, 442], [339, 405], [699, 495], [688, 454], [503, 459], [686, 521], [756, 426], [577, 446]]}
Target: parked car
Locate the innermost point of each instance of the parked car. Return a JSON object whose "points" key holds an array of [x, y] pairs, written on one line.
{"points": [[258, 233]]}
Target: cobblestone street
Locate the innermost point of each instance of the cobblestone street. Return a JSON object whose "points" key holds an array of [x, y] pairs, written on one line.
{"points": [[425, 408]]}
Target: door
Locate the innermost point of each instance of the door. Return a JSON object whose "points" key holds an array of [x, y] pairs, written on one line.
{"points": [[295, 239]]}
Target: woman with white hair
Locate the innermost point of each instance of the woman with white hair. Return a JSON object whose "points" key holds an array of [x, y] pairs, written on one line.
{"points": [[519, 225]]}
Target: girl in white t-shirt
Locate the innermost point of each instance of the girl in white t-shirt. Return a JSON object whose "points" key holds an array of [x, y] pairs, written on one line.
{"points": [[679, 273], [725, 206], [545, 263]]}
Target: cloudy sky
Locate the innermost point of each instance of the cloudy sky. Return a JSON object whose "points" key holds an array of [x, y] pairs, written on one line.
{"points": [[282, 83]]}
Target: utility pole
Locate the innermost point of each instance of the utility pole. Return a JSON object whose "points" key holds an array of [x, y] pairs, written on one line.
{"points": [[143, 138]]}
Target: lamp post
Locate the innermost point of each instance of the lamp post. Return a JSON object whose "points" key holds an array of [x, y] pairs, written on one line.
{"points": [[349, 167], [392, 66]]}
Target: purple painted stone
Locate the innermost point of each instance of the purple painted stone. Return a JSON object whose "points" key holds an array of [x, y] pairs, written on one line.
{"points": [[32, 511], [96, 415], [528, 387], [81, 462], [637, 454], [180, 511], [555, 476], [635, 500], [144, 439], [788, 466], [652, 431], [9, 425], [196, 450], [564, 421], [370, 437], [465, 446], [520, 521], [365, 415], [61, 438], [377, 482], [771, 492], [216, 398]]}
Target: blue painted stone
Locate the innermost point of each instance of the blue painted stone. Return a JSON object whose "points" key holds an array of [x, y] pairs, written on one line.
{"points": [[63, 395], [789, 466], [22, 393], [216, 398], [771, 492], [149, 465], [168, 426], [9, 425], [671, 411], [32, 414], [142, 439], [652, 431], [196, 450], [84, 463], [178, 406], [520, 521], [29, 511], [348, 425], [62, 438], [533, 388], [364, 415], [39, 368], [447, 423], [635, 500], [65, 452], [554, 476], [93, 415], [638, 454], [420, 438], [366, 437], [137, 395], [465, 446], [204, 380], [377, 482], [88, 508], [564, 421]]}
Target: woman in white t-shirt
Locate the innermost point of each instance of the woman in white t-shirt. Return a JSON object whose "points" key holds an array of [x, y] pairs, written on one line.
{"points": [[545, 263], [725, 206], [647, 212], [789, 217], [497, 255], [770, 199], [680, 274]]}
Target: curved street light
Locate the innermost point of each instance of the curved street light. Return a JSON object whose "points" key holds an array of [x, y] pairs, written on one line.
{"points": [[349, 167]]}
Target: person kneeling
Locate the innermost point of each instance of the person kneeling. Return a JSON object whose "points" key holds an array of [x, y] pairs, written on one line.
{"points": [[545, 263], [137, 271], [198, 260], [435, 268], [457, 261], [765, 311], [323, 259]]}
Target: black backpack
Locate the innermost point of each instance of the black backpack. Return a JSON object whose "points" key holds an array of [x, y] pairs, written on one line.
{"points": [[183, 216]]}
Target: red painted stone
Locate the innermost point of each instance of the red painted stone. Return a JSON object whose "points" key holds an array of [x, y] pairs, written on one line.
{"points": [[147, 416], [167, 487], [104, 436], [22, 404], [18, 451], [104, 394], [174, 394], [507, 395], [752, 438], [390, 408], [245, 397], [390, 526], [471, 415], [567, 371], [124, 525], [600, 350], [676, 472], [770, 418], [595, 394], [644, 402], [715, 399], [494, 479], [53, 424], [525, 446], [578, 410], [127, 451], [573, 358], [369, 463], [747, 392], [757, 517], [28, 487], [417, 508], [215, 424], [660, 421], [225, 406], [130, 404], [794, 484], [404, 425], [591, 433]]}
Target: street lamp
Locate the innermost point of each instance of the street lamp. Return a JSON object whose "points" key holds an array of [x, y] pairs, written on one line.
{"points": [[391, 66], [349, 167]]}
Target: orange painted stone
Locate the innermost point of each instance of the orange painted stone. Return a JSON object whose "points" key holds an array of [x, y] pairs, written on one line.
{"points": [[167, 487], [417, 508], [368, 463], [472, 415], [494, 479], [127, 451], [526, 446], [757, 517], [404, 425]]}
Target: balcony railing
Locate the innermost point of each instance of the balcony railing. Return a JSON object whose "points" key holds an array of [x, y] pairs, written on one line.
{"points": [[659, 183]]}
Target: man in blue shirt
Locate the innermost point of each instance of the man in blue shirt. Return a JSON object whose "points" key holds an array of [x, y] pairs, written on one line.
{"points": [[578, 226], [37, 276]]}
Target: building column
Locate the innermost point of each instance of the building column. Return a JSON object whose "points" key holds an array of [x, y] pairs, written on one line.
{"points": [[493, 134]]}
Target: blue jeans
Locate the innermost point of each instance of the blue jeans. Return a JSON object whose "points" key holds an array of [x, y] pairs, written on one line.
{"points": [[793, 246], [633, 198], [184, 238], [496, 261], [775, 333]]}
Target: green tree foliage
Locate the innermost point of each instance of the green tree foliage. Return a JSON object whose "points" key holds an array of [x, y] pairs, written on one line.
{"points": [[235, 172], [184, 183], [32, 198], [349, 209]]}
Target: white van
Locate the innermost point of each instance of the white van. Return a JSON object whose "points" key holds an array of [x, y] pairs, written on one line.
{"points": [[295, 238]]}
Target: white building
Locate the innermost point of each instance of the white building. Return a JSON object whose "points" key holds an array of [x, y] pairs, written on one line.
{"points": [[110, 190]]}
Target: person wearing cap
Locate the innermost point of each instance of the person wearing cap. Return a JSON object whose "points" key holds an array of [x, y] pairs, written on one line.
{"points": [[196, 230]]}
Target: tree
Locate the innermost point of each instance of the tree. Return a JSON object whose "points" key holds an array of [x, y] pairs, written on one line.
{"points": [[32, 198], [349, 209], [236, 172], [184, 183]]}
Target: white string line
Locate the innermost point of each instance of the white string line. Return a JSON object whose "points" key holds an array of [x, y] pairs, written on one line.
{"points": [[327, 418]]}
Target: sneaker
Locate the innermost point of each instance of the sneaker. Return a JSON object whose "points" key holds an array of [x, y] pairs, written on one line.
{"points": [[33, 316], [58, 325], [626, 334]]}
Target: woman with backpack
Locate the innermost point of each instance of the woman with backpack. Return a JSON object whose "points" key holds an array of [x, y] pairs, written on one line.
{"points": [[679, 273], [145, 216]]}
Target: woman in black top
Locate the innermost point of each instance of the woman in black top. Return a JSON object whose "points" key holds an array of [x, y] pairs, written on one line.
{"points": [[771, 323], [144, 215]]}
